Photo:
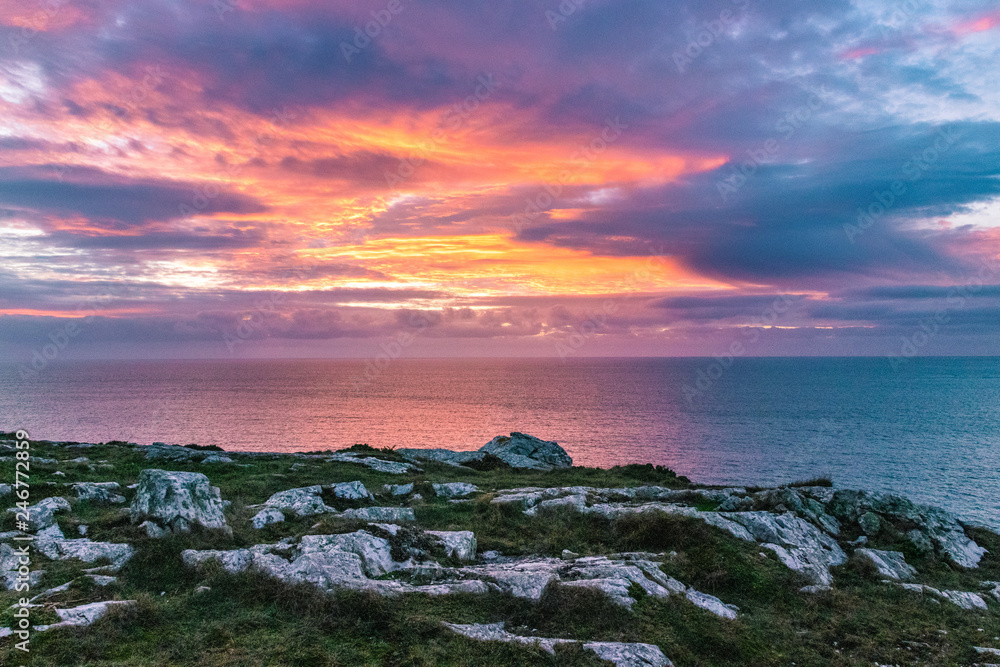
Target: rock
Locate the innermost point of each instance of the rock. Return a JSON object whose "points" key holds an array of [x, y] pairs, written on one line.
{"points": [[41, 515], [525, 451], [267, 516], [202, 589], [178, 499], [812, 589], [56, 547], [986, 651], [88, 613], [870, 523], [6, 490], [890, 564], [995, 586], [101, 492], [629, 655], [398, 489], [568, 555], [736, 504], [460, 544], [527, 578], [217, 458], [712, 604], [383, 514], [576, 501], [935, 528], [494, 632], [966, 600], [455, 489], [615, 589], [161, 451], [963, 599], [798, 544], [862, 540], [350, 491], [9, 564], [622, 655], [304, 501], [153, 530], [374, 552], [82, 530], [380, 465], [445, 456], [101, 580]]}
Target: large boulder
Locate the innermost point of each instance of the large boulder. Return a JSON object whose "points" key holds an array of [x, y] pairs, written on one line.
{"points": [[526, 451], [178, 500], [516, 450]]}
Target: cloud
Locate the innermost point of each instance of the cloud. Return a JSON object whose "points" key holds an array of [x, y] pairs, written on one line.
{"points": [[109, 200]]}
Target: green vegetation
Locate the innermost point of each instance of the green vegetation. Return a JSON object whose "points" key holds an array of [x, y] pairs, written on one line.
{"points": [[250, 618]]}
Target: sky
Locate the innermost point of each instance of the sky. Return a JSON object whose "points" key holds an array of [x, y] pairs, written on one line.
{"points": [[299, 178]]}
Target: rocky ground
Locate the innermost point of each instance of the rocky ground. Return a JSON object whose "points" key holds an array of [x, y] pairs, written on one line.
{"points": [[148, 555]]}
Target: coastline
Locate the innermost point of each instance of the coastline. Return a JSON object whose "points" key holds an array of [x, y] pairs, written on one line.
{"points": [[597, 563]]}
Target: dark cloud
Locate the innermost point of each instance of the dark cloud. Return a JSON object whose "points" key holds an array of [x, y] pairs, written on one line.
{"points": [[109, 200]]}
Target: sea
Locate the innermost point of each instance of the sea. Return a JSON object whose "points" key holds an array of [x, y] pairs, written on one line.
{"points": [[926, 427]]}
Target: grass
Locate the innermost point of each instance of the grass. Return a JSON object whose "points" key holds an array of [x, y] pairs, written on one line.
{"points": [[250, 618]]}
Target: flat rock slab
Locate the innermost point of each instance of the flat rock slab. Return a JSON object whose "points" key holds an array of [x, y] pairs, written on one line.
{"points": [[621, 654], [455, 489], [964, 599], [890, 564]]}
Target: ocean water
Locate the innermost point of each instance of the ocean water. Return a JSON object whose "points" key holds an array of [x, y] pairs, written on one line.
{"points": [[930, 429]]}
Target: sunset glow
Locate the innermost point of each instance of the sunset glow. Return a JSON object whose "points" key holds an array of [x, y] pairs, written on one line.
{"points": [[166, 167]]}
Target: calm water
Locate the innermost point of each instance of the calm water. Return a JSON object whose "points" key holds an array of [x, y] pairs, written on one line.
{"points": [[931, 430]]}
